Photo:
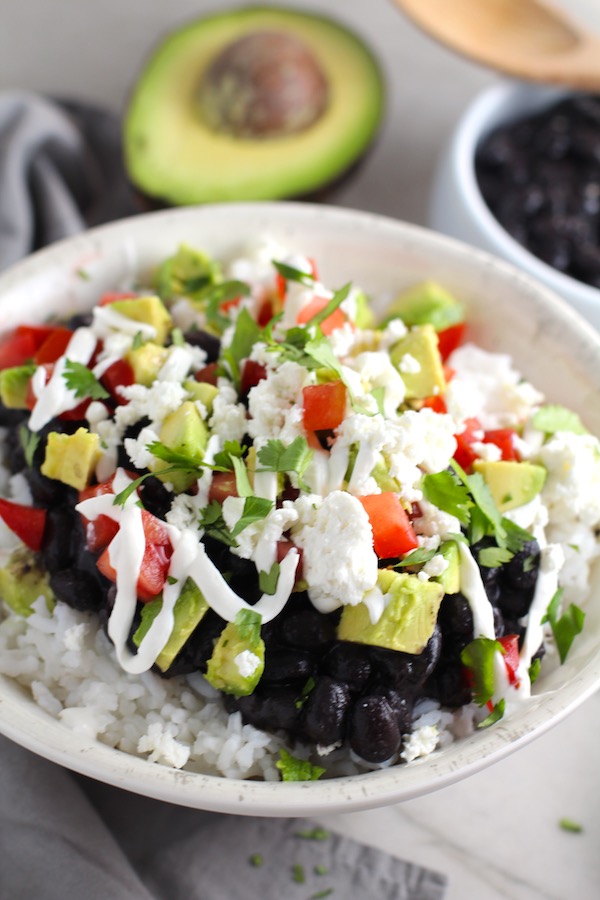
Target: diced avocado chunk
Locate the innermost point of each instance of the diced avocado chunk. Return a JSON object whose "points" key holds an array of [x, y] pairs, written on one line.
{"points": [[364, 317], [184, 432], [202, 391], [420, 344], [450, 577], [511, 483], [237, 662], [149, 310], [186, 273], [23, 580], [14, 383], [72, 458], [189, 610], [427, 303], [381, 474], [146, 362], [406, 623]]}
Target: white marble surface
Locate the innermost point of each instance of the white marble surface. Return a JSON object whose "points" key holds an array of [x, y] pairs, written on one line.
{"points": [[497, 834]]}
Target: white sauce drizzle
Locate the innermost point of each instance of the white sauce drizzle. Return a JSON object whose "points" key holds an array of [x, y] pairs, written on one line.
{"points": [[55, 397], [375, 601], [551, 560], [471, 585], [106, 319]]}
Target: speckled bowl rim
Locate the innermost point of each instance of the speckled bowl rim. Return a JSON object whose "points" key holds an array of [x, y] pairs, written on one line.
{"points": [[27, 724]]}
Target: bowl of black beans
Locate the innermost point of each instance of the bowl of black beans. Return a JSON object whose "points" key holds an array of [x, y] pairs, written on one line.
{"points": [[520, 177]]}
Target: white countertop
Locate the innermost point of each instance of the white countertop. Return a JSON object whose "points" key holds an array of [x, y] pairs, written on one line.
{"points": [[496, 835]]}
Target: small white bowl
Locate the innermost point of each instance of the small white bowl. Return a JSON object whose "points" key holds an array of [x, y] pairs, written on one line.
{"points": [[457, 206], [508, 312]]}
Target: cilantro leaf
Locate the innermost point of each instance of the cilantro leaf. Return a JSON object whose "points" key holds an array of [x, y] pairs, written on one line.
{"points": [[231, 449], [293, 769], [177, 338], [292, 274], [337, 299], [246, 334], [495, 715], [378, 393], [215, 295], [138, 341], [255, 510], [445, 492], [276, 457], [570, 825], [566, 628], [248, 625], [267, 581], [82, 381], [298, 875], [309, 685], [125, 494], [29, 442], [492, 557], [314, 834], [242, 482], [534, 669], [478, 656], [175, 459], [213, 523], [421, 555], [553, 418]]}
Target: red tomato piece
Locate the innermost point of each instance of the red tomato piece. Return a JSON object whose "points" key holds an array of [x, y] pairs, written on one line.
{"points": [[265, 313], [393, 534], [99, 533], [16, 349], [155, 562], [280, 286], [54, 346], [450, 338], [78, 412], [510, 645], [337, 319], [252, 373], [226, 305], [112, 297], [324, 405], [35, 333], [223, 485], [503, 438], [27, 522], [283, 548], [155, 530], [120, 374], [437, 404], [208, 374], [465, 456]]}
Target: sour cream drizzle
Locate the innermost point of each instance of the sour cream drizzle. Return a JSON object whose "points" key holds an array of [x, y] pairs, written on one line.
{"points": [[471, 586], [189, 560], [54, 397]]}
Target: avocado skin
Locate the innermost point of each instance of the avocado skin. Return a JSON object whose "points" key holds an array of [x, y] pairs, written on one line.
{"points": [[315, 175]]}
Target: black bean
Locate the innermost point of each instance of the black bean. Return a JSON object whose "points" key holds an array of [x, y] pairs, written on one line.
{"points": [[452, 690], [308, 630], [350, 663], [455, 616], [46, 492], [405, 672], [198, 649], [521, 571], [515, 603], [498, 622], [210, 343], [64, 538], [284, 665], [374, 731], [12, 417], [279, 708], [155, 497], [80, 320], [325, 711], [77, 589]]}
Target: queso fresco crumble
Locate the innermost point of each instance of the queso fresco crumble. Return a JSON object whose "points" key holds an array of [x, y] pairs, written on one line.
{"points": [[322, 542]]}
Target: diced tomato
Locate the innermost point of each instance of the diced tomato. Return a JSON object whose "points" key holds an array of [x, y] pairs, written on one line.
{"points": [[313, 441], [208, 374], [437, 404], [448, 373], [324, 405], [36, 333], [503, 438], [99, 533], [252, 373], [337, 319], [15, 350], [265, 313], [97, 490], [113, 296], [465, 456], [283, 548], [226, 305], [77, 413], [54, 346], [27, 522], [510, 644], [155, 530], [155, 562], [281, 282], [120, 374], [223, 485], [393, 534], [450, 338]]}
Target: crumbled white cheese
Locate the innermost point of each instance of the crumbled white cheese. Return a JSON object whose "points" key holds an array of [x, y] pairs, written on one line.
{"points": [[247, 663], [180, 361], [420, 742], [258, 541], [137, 448], [275, 403], [377, 370], [488, 452], [228, 418], [339, 562], [435, 566], [433, 522], [572, 488], [408, 365]]}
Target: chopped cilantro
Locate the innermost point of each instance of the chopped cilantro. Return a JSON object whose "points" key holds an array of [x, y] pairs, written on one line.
{"points": [[230, 449], [337, 299], [83, 274], [267, 581], [256, 860], [138, 341], [213, 523], [575, 547], [298, 874], [246, 334], [416, 558], [314, 834], [478, 656], [570, 825], [444, 491], [320, 869], [308, 687], [495, 715], [177, 338], [29, 442], [82, 381], [177, 460], [553, 418], [122, 498], [320, 894], [378, 393], [215, 295], [566, 628], [292, 274], [534, 669], [276, 457], [293, 769], [528, 563], [248, 624], [492, 557], [171, 579], [242, 482], [255, 510]]}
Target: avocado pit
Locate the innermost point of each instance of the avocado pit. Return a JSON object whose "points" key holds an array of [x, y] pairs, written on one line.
{"points": [[265, 85]]}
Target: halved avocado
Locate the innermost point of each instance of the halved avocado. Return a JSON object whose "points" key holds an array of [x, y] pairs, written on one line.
{"points": [[193, 131]]}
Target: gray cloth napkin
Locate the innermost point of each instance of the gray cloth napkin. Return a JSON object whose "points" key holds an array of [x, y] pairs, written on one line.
{"points": [[64, 837]]}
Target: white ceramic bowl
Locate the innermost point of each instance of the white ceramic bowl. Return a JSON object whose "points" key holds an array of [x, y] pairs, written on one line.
{"points": [[457, 207], [508, 312]]}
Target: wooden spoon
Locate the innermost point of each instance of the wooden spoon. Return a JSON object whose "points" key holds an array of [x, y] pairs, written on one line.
{"points": [[524, 38]]}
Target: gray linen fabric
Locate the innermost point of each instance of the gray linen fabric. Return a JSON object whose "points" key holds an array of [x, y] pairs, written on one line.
{"points": [[64, 837]]}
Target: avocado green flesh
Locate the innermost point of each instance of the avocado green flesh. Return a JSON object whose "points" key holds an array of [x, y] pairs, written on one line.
{"points": [[170, 153], [512, 484], [189, 610], [222, 670], [22, 581]]}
